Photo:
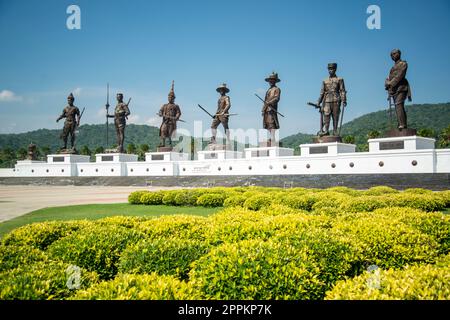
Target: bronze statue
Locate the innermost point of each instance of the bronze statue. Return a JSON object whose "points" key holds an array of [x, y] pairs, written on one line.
{"points": [[32, 150], [171, 113], [73, 116], [398, 87], [332, 94], [270, 108], [222, 113], [120, 116]]}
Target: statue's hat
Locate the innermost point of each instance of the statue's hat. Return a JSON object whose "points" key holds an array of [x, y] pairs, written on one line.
{"points": [[273, 76], [71, 96], [223, 86], [332, 65], [172, 92]]}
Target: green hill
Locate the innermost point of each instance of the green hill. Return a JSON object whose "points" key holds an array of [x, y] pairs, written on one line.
{"points": [[420, 116]]}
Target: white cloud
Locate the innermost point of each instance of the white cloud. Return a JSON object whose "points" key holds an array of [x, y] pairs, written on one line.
{"points": [[154, 121], [76, 91], [134, 118], [101, 113], [9, 96], [260, 91]]}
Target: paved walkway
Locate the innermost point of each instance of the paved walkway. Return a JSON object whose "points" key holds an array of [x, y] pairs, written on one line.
{"points": [[19, 200]]}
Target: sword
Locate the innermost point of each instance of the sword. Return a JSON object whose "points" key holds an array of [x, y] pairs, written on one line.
{"points": [[171, 118], [317, 106], [206, 111], [107, 108], [265, 103], [342, 117], [79, 118], [390, 111]]}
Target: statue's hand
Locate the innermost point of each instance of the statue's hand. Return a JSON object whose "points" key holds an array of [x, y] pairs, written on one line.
{"points": [[344, 104]]}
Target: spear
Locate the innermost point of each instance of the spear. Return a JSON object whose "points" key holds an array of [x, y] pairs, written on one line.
{"points": [[107, 107]]}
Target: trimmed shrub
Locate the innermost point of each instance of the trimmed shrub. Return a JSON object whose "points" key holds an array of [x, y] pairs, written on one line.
{"points": [[165, 257], [169, 197], [41, 235], [257, 201], [380, 191], [344, 190], [254, 269], [42, 280], [16, 256], [139, 287], [135, 196], [434, 224], [383, 241], [423, 202], [426, 282], [234, 201], [152, 198], [445, 196], [178, 226], [303, 202], [122, 221], [363, 203], [418, 191], [279, 209], [96, 249], [211, 200]]}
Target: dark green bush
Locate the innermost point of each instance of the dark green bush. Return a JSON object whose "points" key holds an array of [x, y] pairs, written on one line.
{"points": [[211, 200], [41, 280], [96, 249], [254, 269], [165, 256]]}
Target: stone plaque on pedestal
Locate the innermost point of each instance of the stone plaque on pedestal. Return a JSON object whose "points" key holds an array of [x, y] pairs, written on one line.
{"points": [[166, 156], [268, 152], [326, 149], [401, 143]]}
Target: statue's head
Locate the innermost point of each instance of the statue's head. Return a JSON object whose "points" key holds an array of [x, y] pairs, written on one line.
{"points": [[332, 67], [396, 54], [70, 99], [120, 97], [273, 79], [222, 89], [171, 95]]}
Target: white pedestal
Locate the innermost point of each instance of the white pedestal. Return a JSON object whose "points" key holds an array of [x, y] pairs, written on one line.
{"points": [[400, 144], [218, 155], [326, 149], [67, 158], [115, 157], [166, 156], [268, 152]]}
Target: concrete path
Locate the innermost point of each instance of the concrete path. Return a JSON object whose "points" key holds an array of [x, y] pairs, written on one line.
{"points": [[19, 200]]}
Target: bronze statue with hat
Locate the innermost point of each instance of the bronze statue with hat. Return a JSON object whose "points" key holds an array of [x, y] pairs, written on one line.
{"points": [[270, 108], [222, 114], [121, 113], [73, 116], [170, 113], [398, 91], [332, 95]]}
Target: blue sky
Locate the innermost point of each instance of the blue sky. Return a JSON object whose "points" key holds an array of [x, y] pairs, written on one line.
{"points": [[139, 47]]}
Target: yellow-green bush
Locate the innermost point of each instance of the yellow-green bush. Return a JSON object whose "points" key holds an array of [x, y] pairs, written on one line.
{"points": [[123, 221], [383, 241], [254, 269], [169, 197], [41, 235], [135, 196], [363, 203], [425, 282], [177, 226], [96, 249], [257, 201], [165, 256], [380, 191], [418, 191], [15, 256], [303, 202], [152, 198], [138, 287], [42, 280], [211, 200], [445, 196], [424, 202], [433, 224], [344, 190], [234, 201]]}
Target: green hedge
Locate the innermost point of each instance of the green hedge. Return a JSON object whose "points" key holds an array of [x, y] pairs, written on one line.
{"points": [[136, 196], [138, 287], [257, 201], [96, 249], [165, 257], [426, 282], [42, 280], [15, 256], [152, 198], [254, 269]]}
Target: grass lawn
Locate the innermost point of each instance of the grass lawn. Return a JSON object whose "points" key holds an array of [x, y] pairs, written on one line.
{"points": [[97, 211]]}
